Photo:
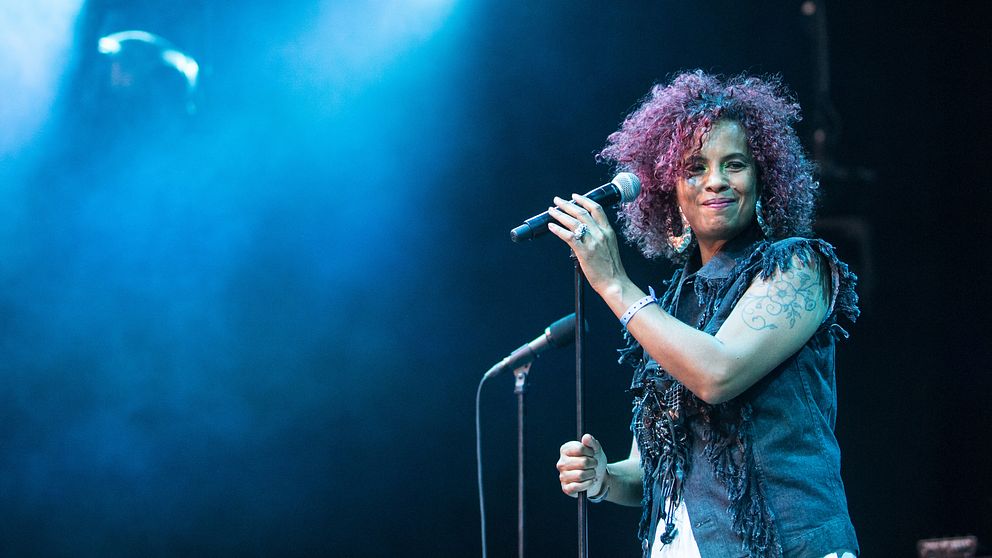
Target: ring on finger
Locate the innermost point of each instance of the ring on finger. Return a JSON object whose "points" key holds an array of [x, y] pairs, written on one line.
{"points": [[580, 232]]}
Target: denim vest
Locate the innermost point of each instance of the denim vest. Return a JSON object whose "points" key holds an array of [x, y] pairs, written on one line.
{"points": [[760, 474]]}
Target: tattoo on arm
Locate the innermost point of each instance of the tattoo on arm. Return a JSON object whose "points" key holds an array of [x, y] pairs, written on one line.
{"points": [[788, 294]]}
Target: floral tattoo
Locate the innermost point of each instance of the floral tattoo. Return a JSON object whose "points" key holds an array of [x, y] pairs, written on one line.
{"points": [[790, 294]]}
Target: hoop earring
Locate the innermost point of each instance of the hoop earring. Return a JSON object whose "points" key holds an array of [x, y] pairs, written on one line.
{"points": [[681, 243], [765, 229]]}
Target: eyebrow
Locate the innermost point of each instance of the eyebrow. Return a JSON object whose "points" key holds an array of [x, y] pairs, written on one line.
{"points": [[736, 155]]}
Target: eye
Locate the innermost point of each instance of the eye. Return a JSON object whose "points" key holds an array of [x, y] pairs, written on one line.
{"points": [[695, 169], [736, 165]]}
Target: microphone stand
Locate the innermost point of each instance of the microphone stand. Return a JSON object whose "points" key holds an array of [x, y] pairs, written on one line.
{"points": [[583, 534], [520, 389]]}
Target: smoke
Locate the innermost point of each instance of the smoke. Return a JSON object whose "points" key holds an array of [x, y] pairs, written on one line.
{"points": [[35, 40], [192, 305]]}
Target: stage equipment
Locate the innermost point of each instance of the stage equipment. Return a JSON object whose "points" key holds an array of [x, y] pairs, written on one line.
{"points": [[134, 54], [559, 334], [954, 547], [623, 189]]}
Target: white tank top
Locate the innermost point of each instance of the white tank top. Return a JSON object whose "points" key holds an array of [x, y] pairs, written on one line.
{"points": [[684, 543]]}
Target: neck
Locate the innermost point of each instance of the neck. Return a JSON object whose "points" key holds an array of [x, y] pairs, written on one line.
{"points": [[710, 248], [713, 246]]}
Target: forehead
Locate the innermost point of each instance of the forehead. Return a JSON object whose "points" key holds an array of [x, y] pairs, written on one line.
{"points": [[725, 136]]}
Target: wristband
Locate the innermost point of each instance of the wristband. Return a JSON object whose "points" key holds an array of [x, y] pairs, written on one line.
{"points": [[601, 496], [635, 307]]}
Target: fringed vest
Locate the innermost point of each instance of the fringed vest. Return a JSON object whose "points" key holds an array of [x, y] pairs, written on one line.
{"points": [[760, 474]]}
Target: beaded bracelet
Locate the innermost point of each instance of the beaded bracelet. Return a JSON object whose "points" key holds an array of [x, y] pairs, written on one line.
{"points": [[635, 307]]}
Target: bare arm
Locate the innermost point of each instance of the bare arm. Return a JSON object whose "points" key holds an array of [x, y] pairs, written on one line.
{"points": [[773, 319], [625, 479]]}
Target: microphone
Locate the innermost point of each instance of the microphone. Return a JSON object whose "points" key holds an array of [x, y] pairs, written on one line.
{"points": [[557, 335], [623, 188]]}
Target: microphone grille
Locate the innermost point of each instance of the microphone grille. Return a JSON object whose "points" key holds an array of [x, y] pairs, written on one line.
{"points": [[629, 186], [562, 332]]}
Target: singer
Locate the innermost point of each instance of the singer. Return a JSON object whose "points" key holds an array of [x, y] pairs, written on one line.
{"points": [[734, 388]]}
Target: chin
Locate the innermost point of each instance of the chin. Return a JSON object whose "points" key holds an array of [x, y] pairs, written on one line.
{"points": [[726, 232]]}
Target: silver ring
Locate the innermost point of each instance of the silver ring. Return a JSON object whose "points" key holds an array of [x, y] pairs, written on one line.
{"points": [[578, 233]]}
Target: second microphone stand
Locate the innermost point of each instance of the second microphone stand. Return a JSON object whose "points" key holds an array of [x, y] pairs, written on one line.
{"points": [[520, 389]]}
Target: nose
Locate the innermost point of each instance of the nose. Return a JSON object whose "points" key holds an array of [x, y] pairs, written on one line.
{"points": [[716, 180]]}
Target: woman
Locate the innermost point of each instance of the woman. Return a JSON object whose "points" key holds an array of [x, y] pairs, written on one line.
{"points": [[734, 388]]}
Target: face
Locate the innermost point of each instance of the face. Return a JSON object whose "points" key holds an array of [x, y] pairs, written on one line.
{"points": [[719, 189]]}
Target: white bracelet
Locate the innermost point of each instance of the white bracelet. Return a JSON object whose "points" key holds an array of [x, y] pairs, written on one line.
{"points": [[635, 307]]}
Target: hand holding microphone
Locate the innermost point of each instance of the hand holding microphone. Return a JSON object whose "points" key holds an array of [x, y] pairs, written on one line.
{"points": [[622, 189], [582, 224]]}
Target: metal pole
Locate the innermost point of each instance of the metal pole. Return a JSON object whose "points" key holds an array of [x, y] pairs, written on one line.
{"points": [[583, 533], [520, 389]]}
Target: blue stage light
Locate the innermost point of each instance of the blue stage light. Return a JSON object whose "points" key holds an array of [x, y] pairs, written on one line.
{"points": [[35, 41], [150, 48]]}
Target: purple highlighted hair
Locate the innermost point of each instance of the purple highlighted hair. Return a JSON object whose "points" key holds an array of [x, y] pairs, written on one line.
{"points": [[657, 137]]}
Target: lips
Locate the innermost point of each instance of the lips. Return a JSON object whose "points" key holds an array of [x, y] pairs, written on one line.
{"points": [[719, 203]]}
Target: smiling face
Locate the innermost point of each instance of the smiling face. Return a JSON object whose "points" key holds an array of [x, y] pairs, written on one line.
{"points": [[720, 187]]}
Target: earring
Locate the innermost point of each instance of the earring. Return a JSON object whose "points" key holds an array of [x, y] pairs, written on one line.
{"points": [[681, 243], [765, 229]]}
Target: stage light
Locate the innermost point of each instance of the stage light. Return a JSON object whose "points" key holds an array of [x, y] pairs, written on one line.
{"points": [[108, 45], [138, 50], [35, 51], [186, 65]]}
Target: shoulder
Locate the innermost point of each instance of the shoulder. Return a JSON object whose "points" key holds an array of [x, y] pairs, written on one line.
{"points": [[798, 253], [787, 253]]}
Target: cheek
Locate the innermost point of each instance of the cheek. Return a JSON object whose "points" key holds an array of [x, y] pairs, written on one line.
{"points": [[749, 184], [747, 212], [749, 190]]}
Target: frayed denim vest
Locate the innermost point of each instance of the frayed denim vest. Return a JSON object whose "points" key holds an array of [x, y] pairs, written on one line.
{"points": [[760, 474]]}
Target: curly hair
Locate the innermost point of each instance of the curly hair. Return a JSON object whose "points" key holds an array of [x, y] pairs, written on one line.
{"points": [[655, 140]]}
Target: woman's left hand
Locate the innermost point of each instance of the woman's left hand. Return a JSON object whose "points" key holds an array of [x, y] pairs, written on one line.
{"points": [[595, 245]]}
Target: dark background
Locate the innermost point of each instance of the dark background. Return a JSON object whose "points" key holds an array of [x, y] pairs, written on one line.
{"points": [[257, 329]]}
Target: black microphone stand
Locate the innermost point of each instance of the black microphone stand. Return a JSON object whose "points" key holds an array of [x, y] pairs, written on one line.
{"points": [[520, 389], [580, 319]]}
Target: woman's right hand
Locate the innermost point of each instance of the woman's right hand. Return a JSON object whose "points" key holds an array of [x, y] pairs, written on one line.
{"points": [[582, 467]]}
